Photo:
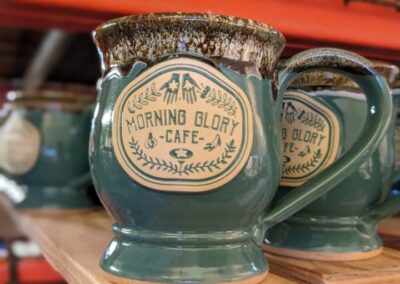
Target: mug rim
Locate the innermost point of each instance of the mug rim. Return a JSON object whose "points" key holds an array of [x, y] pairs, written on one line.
{"points": [[122, 30], [176, 16], [50, 99], [387, 70]]}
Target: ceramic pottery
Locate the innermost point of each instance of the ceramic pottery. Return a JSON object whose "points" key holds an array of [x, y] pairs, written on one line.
{"points": [[396, 94], [44, 142], [186, 151], [323, 115], [3, 117]]}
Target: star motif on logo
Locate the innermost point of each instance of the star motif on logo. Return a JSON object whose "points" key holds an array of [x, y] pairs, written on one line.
{"points": [[173, 86], [181, 153]]}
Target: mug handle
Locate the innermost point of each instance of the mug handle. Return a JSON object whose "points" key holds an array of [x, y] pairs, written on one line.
{"points": [[384, 209], [379, 115]]}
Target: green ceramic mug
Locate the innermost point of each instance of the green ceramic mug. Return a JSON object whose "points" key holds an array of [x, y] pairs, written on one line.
{"points": [[185, 150], [44, 142], [3, 117], [396, 94], [323, 115]]}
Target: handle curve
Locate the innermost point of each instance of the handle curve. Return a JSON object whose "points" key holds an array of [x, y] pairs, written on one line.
{"points": [[379, 106], [384, 209]]}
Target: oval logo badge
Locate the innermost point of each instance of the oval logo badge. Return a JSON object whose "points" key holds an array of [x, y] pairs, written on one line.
{"points": [[182, 126], [20, 145], [310, 134]]}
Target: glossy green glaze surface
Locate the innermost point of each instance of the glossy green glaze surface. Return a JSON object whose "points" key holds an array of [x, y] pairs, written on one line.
{"points": [[165, 230], [344, 220], [58, 173], [173, 219], [396, 180]]}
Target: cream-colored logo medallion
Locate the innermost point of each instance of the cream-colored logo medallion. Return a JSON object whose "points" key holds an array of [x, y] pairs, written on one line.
{"points": [[182, 126], [20, 143], [310, 133]]}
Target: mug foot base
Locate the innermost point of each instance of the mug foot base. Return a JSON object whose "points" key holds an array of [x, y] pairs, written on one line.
{"points": [[120, 280], [322, 256], [156, 257], [324, 238]]}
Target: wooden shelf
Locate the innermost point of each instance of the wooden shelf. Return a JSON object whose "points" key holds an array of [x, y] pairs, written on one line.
{"points": [[8, 227], [384, 268], [389, 229], [73, 244], [361, 26]]}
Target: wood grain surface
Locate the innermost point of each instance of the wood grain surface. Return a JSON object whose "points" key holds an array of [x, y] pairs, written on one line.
{"points": [[8, 227], [389, 229], [384, 268], [74, 244]]}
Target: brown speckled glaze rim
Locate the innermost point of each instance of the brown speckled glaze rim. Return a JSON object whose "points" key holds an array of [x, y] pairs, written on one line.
{"points": [[389, 71], [131, 31], [396, 83]]}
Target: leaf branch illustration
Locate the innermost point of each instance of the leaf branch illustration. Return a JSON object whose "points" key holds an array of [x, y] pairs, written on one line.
{"points": [[313, 120], [138, 101], [159, 164], [174, 168], [303, 167], [221, 100], [210, 166]]}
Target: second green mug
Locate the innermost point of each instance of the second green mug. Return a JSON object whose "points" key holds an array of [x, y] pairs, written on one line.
{"points": [[43, 149], [396, 94], [323, 115]]}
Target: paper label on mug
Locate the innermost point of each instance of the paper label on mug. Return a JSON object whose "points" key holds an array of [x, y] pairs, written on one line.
{"points": [[182, 126], [310, 134], [20, 143]]}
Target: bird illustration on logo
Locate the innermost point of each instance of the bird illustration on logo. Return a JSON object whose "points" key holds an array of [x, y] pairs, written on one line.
{"points": [[171, 88]]}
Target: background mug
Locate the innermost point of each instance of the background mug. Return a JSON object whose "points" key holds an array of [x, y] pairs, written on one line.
{"points": [[322, 117], [185, 150], [44, 149], [396, 94]]}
